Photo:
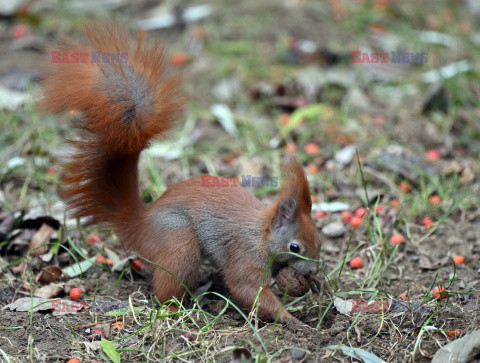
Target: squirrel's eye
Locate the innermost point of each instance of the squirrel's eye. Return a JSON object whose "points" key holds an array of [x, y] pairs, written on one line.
{"points": [[294, 248]]}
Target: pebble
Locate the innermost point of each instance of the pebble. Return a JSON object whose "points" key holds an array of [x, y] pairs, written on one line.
{"points": [[298, 354], [345, 155], [465, 349], [334, 229]]}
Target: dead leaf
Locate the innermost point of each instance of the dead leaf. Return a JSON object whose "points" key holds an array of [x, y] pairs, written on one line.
{"points": [[452, 167], [38, 244], [49, 274], [30, 303], [6, 226], [21, 241], [49, 291], [20, 268], [112, 255], [467, 175]]}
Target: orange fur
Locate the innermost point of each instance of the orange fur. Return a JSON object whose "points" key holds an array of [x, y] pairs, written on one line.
{"points": [[101, 175]]}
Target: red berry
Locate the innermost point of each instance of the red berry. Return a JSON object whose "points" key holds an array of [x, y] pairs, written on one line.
{"points": [[435, 199], [76, 293], [312, 168], [356, 222], [459, 260], [118, 325], [179, 59], [439, 292], [427, 222], [136, 264], [360, 212], [405, 187], [380, 209], [451, 333], [346, 216], [19, 31], [93, 238], [100, 259], [312, 148], [291, 148], [319, 214], [356, 262], [432, 155], [395, 204], [74, 360], [403, 296], [397, 239]]}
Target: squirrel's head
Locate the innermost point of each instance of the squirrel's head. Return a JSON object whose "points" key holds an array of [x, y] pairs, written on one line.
{"points": [[292, 228]]}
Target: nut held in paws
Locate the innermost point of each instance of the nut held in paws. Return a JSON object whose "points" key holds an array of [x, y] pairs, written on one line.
{"points": [[293, 282]]}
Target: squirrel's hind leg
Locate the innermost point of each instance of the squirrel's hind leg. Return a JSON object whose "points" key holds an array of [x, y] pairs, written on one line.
{"points": [[179, 257]]}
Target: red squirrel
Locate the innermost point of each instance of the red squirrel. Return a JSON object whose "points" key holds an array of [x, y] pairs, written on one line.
{"points": [[124, 105]]}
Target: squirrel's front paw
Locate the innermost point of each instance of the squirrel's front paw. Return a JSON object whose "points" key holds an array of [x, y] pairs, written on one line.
{"points": [[291, 321], [319, 285]]}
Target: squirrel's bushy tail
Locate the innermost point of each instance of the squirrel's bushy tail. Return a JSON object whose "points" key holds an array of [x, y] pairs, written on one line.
{"points": [[125, 97]]}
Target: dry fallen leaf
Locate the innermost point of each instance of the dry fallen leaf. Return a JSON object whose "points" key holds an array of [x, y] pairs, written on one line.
{"points": [[21, 241], [49, 291], [6, 225], [30, 303], [467, 175], [20, 268], [49, 274], [38, 244]]}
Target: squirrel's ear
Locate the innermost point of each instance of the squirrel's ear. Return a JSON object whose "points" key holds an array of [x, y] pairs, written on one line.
{"points": [[286, 212], [295, 185]]}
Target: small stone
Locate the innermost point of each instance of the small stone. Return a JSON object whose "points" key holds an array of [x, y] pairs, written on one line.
{"points": [[345, 155], [298, 354], [334, 229], [460, 350], [226, 89]]}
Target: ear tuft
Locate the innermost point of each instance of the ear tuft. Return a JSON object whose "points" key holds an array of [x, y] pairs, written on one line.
{"points": [[295, 185]]}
